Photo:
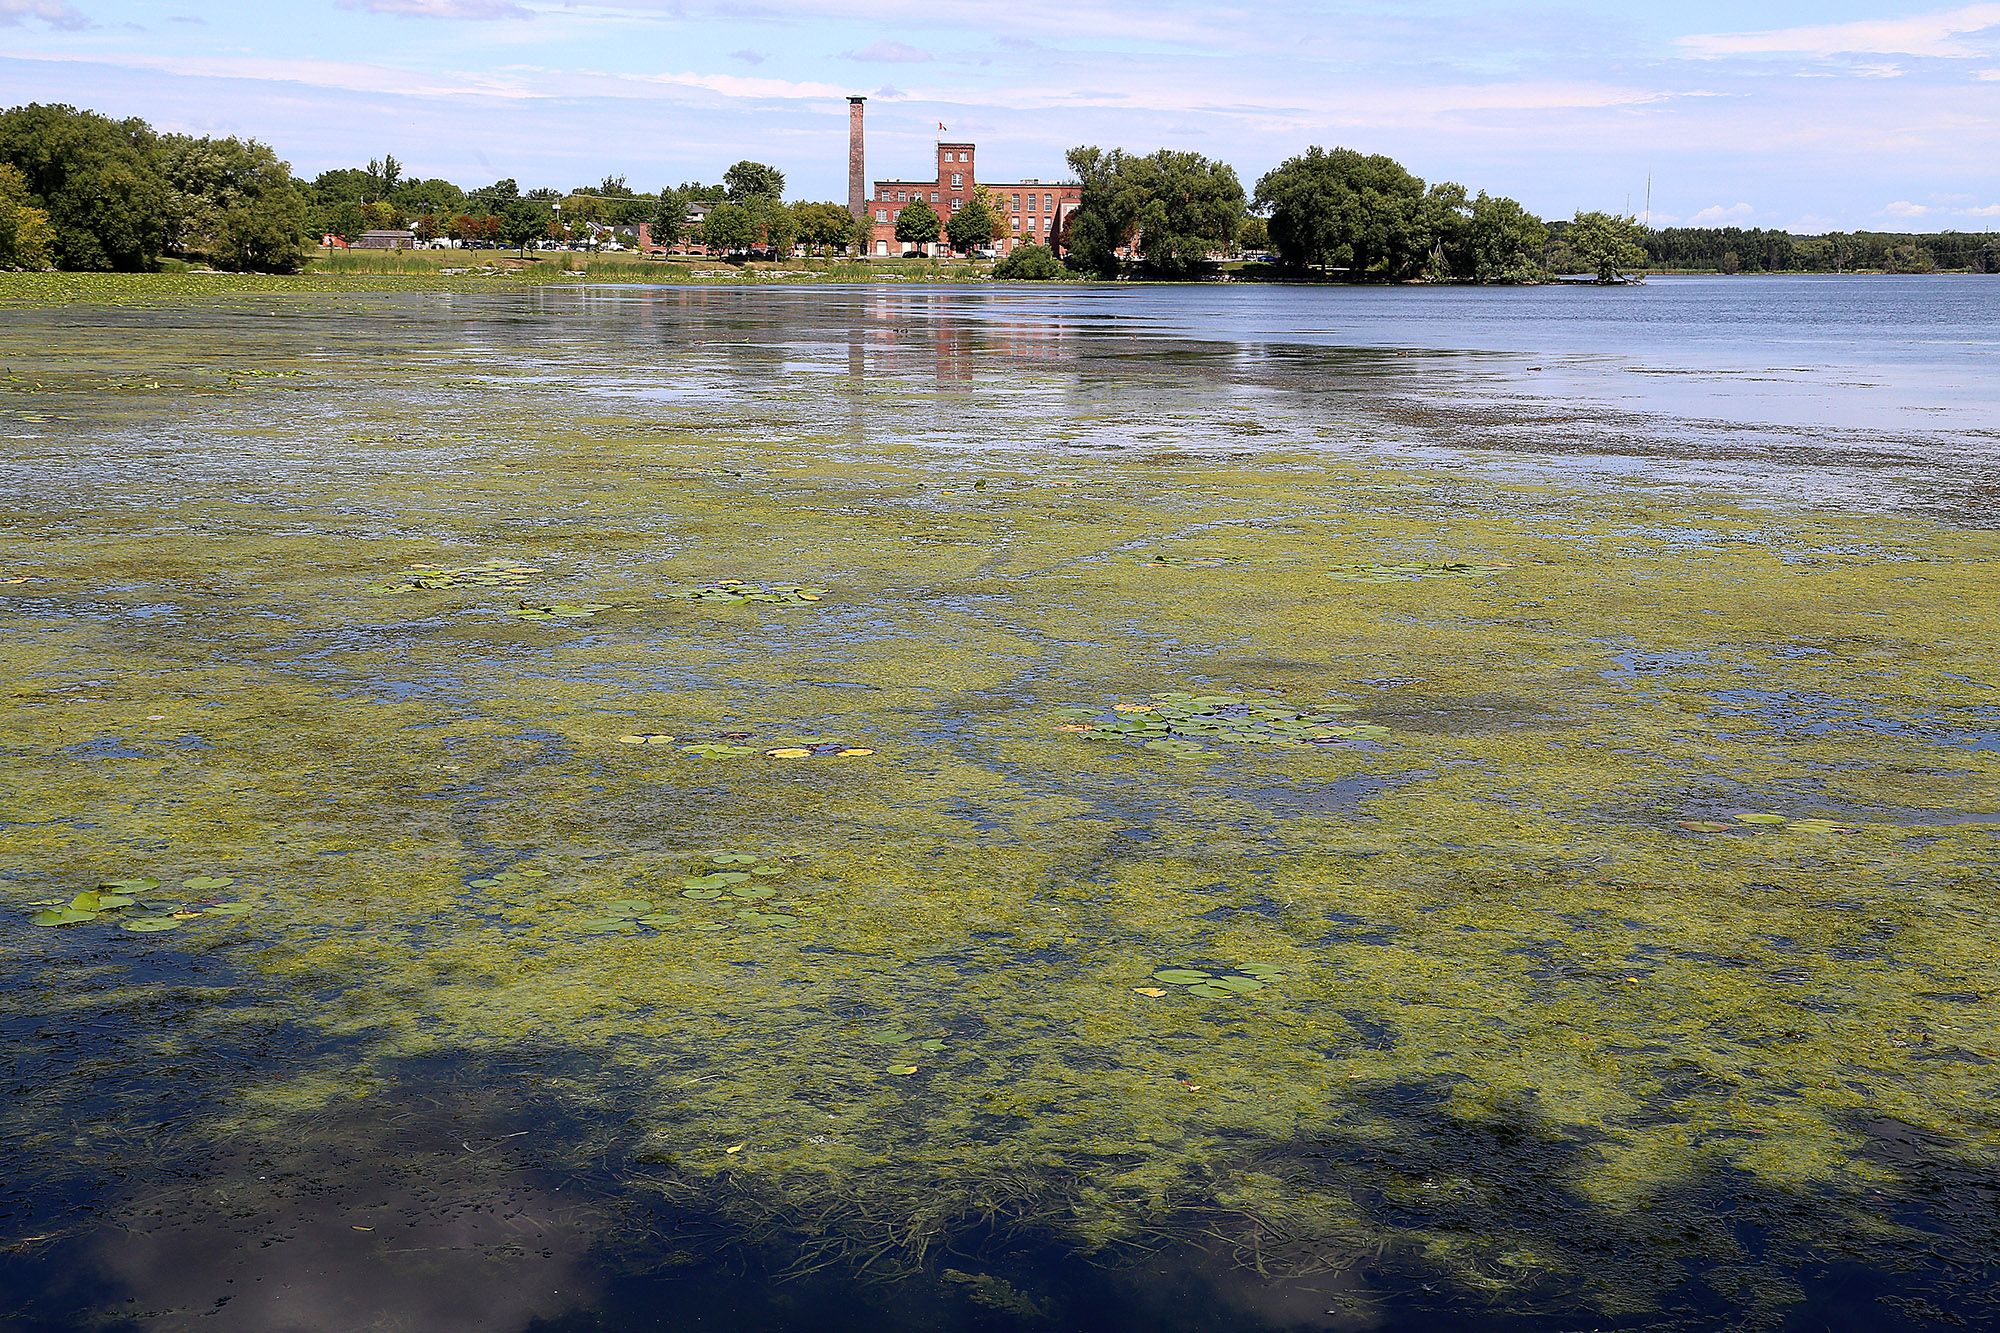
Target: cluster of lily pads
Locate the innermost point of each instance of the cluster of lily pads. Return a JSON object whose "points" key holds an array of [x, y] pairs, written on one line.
{"points": [[486, 574], [731, 746], [1176, 722], [739, 880], [1245, 979], [1755, 820], [1455, 569], [138, 905], [511, 875], [735, 592]]}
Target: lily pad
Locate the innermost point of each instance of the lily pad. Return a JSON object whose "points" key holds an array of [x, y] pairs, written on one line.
{"points": [[1182, 976], [62, 916], [147, 925], [202, 883]]}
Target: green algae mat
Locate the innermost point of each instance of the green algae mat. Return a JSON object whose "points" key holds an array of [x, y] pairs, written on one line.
{"points": [[929, 873]]}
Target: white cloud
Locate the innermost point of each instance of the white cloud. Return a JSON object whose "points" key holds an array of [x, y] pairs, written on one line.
{"points": [[442, 9], [1985, 211], [749, 57], [1938, 34], [891, 53], [1718, 215], [55, 13], [1988, 75], [1903, 208]]}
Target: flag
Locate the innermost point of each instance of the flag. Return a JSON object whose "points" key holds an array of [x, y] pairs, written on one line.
{"points": [[940, 127]]}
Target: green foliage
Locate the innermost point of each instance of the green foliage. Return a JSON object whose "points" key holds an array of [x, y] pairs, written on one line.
{"points": [[1031, 263], [1505, 241], [753, 180], [96, 180], [1175, 209], [917, 224], [1605, 245], [524, 221], [730, 227], [823, 227], [1343, 209], [26, 240], [232, 202], [973, 225], [1254, 233]]}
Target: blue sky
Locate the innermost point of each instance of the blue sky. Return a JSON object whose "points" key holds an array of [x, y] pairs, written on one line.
{"points": [[1836, 113]]}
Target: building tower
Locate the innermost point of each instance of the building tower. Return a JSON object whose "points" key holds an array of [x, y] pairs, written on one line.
{"points": [[857, 175]]}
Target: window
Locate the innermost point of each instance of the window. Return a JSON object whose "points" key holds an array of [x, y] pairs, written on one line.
{"points": [[957, 180], [957, 204], [1048, 202], [933, 196], [1017, 206], [881, 215], [1015, 223]]}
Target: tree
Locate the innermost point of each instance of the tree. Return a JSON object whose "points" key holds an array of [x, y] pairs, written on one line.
{"points": [[524, 221], [96, 180], [776, 228], [668, 224], [26, 239], [262, 234], [232, 202], [384, 174], [917, 224], [728, 228], [972, 226], [823, 227], [1030, 263], [1605, 244], [1505, 241], [1176, 208], [345, 220], [1253, 234], [1341, 209], [753, 180]]}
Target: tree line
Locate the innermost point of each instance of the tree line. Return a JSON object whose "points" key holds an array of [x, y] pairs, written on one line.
{"points": [[82, 191]]}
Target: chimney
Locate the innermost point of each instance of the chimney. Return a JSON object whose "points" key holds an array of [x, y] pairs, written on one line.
{"points": [[857, 175]]}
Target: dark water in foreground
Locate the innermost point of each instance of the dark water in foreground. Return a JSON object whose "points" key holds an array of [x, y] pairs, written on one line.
{"points": [[1261, 810]]}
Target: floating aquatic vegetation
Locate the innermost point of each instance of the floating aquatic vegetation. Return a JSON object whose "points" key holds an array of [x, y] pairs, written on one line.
{"points": [[647, 738], [736, 592], [559, 610], [1195, 561], [511, 875], [1417, 570], [487, 574], [738, 881], [1244, 979], [150, 910], [1752, 821], [731, 746], [1177, 722]]}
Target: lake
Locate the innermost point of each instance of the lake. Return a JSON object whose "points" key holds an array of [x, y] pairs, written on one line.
{"points": [[926, 807]]}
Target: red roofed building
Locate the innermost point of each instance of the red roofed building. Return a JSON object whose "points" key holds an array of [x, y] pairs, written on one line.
{"points": [[1026, 211]]}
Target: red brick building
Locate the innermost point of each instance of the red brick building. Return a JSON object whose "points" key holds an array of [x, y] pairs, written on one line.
{"points": [[1025, 210]]}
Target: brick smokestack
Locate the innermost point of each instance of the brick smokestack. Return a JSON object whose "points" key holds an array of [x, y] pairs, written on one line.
{"points": [[857, 172]]}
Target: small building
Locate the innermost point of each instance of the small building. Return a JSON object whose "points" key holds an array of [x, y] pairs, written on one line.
{"points": [[1028, 212], [390, 239]]}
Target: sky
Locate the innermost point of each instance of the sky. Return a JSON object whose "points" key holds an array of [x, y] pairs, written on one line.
{"points": [[1832, 114]]}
